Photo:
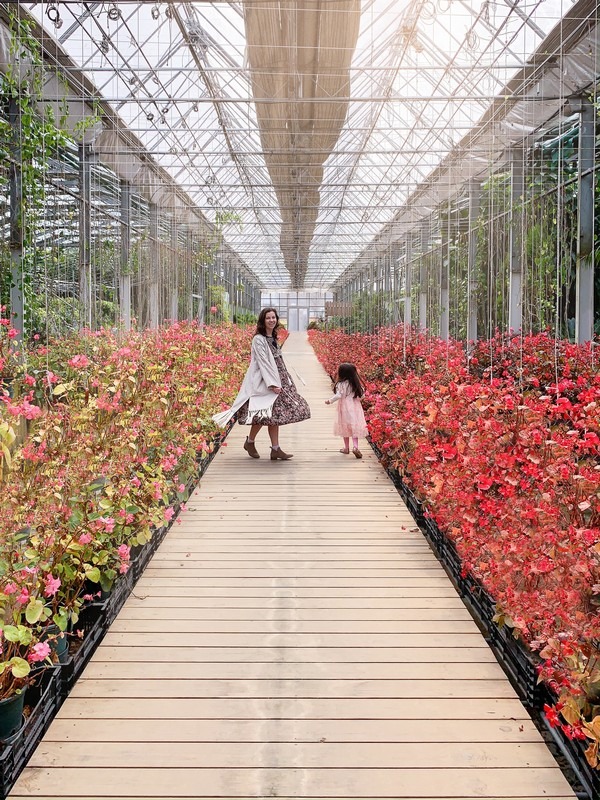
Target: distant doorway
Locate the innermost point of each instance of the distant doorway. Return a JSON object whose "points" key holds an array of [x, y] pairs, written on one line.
{"points": [[297, 318]]}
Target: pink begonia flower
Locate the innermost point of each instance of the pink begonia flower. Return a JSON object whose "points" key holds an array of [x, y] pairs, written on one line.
{"points": [[181, 487], [10, 588], [108, 522], [12, 333], [78, 361], [183, 507], [123, 552], [29, 380], [39, 651], [51, 377], [136, 482], [123, 569], [23, 596], [169, 513], [85, 538], [52, 585], [36, 337]]}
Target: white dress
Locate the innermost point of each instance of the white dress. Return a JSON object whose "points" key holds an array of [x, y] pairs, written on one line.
{"points": [[350, 419], [254, 390]]}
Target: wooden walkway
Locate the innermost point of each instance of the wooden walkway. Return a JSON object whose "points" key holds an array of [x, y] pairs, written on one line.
{"points": [[294, 637]]}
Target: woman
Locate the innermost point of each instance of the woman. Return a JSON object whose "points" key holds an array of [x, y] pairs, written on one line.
{"points": [[268, 395]]}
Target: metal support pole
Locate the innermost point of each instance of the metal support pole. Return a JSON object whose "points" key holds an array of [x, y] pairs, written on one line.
{"points": [[175, 271], [85, 209], [395, 283], [125, 267], [584, 308], [474, 202], [444, 276], [517, 193], [154, 268], [189, 285], [17, 302], [423, 277], [408, 281]]}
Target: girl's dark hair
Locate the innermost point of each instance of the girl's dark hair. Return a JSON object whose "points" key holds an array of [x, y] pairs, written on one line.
{"points": [[260, 323], [348, 372]]}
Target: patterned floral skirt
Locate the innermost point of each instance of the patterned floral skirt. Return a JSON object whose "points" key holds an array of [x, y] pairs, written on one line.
{"points": [[289, 406]]}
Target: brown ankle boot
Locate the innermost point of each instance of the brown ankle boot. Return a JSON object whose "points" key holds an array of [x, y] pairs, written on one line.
{"points": [[250, 448], [275, 454]]}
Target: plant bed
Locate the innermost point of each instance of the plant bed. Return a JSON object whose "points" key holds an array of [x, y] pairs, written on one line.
{"points": [[42, 701]]}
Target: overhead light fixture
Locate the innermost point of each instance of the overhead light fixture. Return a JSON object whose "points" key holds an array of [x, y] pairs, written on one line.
{"points": [[113, 13], [155, 12]]}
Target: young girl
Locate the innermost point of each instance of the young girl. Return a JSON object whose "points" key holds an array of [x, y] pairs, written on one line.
{"points": [[350, 415]]}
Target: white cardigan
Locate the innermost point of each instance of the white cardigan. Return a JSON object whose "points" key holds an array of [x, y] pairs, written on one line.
{"points": [[261, 374]]}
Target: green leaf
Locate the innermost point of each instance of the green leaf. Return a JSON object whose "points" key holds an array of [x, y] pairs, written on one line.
{"points": [[93, 574], [61, 620], [34, 610], [98, 483], [19, 667], [23, 534], [11, 633], [61, 388]]}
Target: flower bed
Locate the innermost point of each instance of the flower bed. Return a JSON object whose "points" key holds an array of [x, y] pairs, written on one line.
{"points": [[118, 433], [501, 450]]}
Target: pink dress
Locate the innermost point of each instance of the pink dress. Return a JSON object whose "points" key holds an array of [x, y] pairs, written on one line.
{"points": [[350, 415]]}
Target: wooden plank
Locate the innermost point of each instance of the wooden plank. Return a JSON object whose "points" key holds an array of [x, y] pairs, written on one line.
{"points": [[194, 614], [293, 581], [355, 670], [220, 593], [297, 730], [198, 607], [281, 640], [331, 755], [306, 688], [270, 626], [316, 783], [267, 653], [290, 708], [186, 572]]}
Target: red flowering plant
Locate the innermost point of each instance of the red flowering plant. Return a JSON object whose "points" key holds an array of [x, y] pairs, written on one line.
{"points": [[505, 458]]}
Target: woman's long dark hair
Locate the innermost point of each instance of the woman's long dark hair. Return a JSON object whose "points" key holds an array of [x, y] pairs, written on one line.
{"points": [[348, 372], [260, 324]]}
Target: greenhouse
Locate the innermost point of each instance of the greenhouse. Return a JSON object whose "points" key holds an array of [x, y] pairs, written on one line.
{"points": [[372, 228]]}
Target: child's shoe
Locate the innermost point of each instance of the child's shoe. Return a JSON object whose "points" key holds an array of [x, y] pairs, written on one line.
{"points": [[357, 453], [345, 452]]}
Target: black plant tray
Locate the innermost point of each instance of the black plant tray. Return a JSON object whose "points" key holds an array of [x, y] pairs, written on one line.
{"points": [[42, 701], [85, 637], [520, 664]]}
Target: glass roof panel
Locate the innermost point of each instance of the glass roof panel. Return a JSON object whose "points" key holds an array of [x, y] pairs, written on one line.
{"points": [[423, 73]]}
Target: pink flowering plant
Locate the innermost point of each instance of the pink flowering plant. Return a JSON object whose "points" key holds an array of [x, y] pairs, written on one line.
{"points": [[117, 427], [502, 447]]}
